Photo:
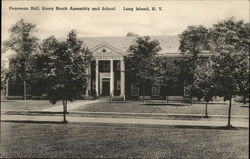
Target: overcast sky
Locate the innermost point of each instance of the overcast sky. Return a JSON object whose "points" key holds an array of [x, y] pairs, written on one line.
{"points": [[174, 18]]}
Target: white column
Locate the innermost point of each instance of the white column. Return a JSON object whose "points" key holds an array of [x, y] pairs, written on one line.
{"points": [[88, 72], [111, 78], [122, 65], [7, 88], [97, 77]]}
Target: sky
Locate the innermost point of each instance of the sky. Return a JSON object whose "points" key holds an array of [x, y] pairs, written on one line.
{"points": [[174, 17]]}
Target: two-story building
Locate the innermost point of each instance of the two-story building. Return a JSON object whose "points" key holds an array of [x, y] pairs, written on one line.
{"points": [[107, 75]]}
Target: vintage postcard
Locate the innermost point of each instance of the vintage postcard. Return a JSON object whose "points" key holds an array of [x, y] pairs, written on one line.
{"points": [[125, 79]]}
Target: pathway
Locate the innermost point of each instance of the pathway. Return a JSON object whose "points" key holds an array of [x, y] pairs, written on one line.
{"points": [[72, 106], [73, 119]]}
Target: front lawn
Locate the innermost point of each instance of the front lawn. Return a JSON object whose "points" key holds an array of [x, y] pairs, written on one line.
{"points": [[82, 140], [139, 107], [7, 105]]}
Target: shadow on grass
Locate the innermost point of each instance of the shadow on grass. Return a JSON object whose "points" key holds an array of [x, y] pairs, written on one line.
{"points": [[207, 127], [3, 101], [127, 126], [245, 106], [167, 104], [32, 113], [35, 122]]}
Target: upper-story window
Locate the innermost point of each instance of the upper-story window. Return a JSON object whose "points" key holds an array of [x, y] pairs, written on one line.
{"points": [[104, 66], [118, 65]]}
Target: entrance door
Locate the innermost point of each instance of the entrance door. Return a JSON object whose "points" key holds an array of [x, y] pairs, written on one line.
{"points": [[105, 87]]}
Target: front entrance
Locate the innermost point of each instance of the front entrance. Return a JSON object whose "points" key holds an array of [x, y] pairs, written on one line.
{"points": [[105, 87]]}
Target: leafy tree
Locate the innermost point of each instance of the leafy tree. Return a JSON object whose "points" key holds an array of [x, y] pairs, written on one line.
{"points": [[3, 76], [44, 62], [142, 62], [193, 41], [203, 84], [244, 37], [64, 64], [25, 44], [230, 59]]}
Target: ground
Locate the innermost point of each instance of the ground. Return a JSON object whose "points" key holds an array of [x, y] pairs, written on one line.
{"points": [[43, 135], [26, 105], [139, 107], [31, 140], [132, 107]]}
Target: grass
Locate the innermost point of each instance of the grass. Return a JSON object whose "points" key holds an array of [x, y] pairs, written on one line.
{"points": [[33, 140], [26, 105], [139, 107]]}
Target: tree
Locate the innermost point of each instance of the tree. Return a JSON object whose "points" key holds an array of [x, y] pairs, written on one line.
{"points": [[142, 62], [244, 37], [3, 76], [44, 62], [25, 44], [203, 84], [65, 67], [194, 41], [230, 59]]}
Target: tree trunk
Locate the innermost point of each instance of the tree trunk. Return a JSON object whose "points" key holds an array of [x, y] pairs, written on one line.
{"points": [[206, 111], [191, 100], [24, 90], [143, 93], [229, 112], [64, 110]]}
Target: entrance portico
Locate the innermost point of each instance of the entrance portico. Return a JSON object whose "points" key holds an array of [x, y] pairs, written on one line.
{"points": [[109, 70]]}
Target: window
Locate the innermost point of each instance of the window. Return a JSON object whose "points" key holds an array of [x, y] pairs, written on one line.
{"points": [[93, 85], [134, 90], [105, 66], [156, 90], [118, 65], [118, 84], [187, 89]]}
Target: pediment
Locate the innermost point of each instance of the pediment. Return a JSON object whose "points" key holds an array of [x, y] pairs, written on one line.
{"points": [[106, 50]]}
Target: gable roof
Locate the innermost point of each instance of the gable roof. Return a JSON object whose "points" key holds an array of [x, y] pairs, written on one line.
{"points": [[169, 44]]}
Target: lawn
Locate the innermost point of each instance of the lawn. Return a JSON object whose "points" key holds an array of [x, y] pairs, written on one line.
{"points": [[82, 140], [139, 107], [36, 105], [26, 105]]}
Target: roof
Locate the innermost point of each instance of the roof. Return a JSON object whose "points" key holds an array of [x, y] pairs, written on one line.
{"points": [[169, 44]]}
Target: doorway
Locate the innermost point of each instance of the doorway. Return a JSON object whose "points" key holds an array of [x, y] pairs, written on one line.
{"points": [[105, 87]]}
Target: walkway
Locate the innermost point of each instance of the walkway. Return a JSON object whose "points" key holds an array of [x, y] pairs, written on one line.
{"points": [[73, 119], [72, 106]]}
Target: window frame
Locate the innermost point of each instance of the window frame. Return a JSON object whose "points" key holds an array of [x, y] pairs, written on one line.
{"points": [[134, 86], [158, 90]]}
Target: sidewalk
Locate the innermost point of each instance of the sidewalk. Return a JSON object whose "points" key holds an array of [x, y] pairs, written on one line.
{"points": [[71, 106], [72, 119]]}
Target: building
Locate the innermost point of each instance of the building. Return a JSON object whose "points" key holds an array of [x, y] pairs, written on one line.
{"points": [[107, 71]]}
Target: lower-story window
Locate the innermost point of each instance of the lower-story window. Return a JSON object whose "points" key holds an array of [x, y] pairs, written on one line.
{"points": [[156, 90], [134, 90], [118, 84], [187, 89], [94, 85]]}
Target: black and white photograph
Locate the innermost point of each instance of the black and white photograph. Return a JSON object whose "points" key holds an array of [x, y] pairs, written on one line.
{"points": [[125, 79]]}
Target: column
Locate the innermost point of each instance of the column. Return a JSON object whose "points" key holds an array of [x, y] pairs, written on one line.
{"points": [[7, 88], [111, 78], [97, 77], [88, 72], [122, 65]]}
